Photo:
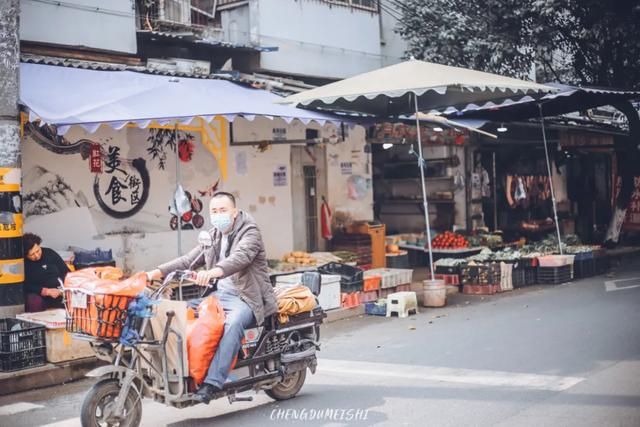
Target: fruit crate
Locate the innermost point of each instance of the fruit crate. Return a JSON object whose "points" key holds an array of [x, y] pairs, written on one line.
{"points": [[482, 274], [391, 277], [22, 345], [555, 275]]}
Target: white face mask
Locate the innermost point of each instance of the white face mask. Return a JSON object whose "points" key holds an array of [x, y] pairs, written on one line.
{"points": [[222, 221]]}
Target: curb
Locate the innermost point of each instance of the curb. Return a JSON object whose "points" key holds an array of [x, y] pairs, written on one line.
{"points": [[344, 313], [46, 376]]}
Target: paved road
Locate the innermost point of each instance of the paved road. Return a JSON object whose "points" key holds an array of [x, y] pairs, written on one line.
{"points": [[554, 356]]}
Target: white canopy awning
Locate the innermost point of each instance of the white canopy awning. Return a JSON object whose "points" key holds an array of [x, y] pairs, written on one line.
{"points": [[65, 96], [439, 88]]}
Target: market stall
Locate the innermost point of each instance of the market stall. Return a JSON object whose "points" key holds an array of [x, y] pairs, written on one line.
{"points": [[518, 265], [413, 87]]}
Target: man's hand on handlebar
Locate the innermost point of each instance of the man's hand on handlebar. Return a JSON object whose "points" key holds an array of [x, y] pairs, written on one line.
{"points": [[154, 275], [204, 277]]}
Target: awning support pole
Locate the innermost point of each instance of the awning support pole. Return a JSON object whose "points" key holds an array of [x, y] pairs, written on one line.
{"points": [[175, 138], [421, 166], [553, 194]]}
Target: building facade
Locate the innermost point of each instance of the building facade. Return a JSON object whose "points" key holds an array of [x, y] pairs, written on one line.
{"points": [[281, 184]]}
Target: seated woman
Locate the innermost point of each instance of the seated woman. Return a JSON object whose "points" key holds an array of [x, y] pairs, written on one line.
{"points": [[42, 269]]}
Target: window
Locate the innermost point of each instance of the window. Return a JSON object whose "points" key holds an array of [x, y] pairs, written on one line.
{"points": [[360, 4]]}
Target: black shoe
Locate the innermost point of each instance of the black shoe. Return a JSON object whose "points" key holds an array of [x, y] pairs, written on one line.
{"points": [[205, 393]]}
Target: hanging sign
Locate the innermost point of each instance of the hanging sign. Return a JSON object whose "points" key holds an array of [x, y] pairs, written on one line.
{"points": [[280, 176], [279, 134], [95, 159], [346, 168]]}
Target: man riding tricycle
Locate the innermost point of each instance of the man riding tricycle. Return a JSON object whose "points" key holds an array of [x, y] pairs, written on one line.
{"points": [[157, 347]]}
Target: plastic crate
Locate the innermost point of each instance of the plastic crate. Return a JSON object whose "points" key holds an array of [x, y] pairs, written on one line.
{"points": [[519, 277], [22, 345], [531, 275], [349, 299], [482, 274], [583, 268], [375, 309], [398, 261], [580, 256], [602, 262], [368, 296], [351, 287], [554, 275], [371, 283], [403, 288], [480, 289], [523, 273], [448, 279], [348, 275], [555, 260], [440, 269], [391, 277]]}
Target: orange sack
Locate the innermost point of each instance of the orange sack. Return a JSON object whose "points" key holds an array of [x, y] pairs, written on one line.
{"points": [[203, 337], [106, 280]]}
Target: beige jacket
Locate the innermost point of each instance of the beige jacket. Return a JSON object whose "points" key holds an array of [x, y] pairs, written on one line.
{"points": [[245, 264]]}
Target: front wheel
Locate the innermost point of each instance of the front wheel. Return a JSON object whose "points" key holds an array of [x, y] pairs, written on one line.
{"points": [[99, 404], [289, 387]]}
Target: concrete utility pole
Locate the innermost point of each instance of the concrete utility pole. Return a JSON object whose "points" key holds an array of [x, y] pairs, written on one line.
{"points": [[11, 255]]}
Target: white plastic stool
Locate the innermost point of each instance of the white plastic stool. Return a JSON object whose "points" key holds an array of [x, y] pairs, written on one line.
{"points": [[402, 303]]}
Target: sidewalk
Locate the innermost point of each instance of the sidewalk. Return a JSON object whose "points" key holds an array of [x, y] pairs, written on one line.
{"points": [[45, 376]]}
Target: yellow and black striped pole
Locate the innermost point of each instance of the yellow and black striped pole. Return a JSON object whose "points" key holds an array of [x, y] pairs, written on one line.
{"points": [[11, 254]]}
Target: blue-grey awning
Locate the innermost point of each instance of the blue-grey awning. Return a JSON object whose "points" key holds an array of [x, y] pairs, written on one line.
{"points": [[567, 99], [65, 96]]}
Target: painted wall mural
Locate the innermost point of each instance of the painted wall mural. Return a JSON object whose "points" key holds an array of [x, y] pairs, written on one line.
{"points": [[127, 191], [163, 143], [47, 193], [190, 220], [119, 181]]}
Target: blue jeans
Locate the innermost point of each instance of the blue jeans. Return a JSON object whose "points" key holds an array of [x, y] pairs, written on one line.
{"points": [[238, 317]]}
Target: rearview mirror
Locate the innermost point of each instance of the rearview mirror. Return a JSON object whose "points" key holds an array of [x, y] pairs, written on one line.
{"points": [[205, 239]]}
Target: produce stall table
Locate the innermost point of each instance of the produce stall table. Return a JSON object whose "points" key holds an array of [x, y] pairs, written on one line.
{"points": [[419, 255]]}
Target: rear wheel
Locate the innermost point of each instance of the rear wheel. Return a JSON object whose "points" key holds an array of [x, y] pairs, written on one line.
{"points": [[99, 404], [288, 387]]}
